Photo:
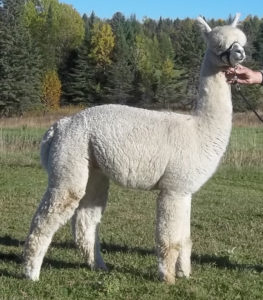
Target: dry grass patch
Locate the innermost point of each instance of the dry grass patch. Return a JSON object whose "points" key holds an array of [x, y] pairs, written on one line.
{"points": [[39, 119], [45, 119], [247, 119]]}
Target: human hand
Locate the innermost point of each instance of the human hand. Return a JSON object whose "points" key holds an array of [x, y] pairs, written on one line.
{"points": [[243, 75]]}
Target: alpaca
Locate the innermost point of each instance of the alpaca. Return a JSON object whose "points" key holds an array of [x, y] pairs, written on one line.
{"points": [[137, 148]]}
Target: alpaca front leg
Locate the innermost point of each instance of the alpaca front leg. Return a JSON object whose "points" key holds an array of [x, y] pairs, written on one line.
{"points": [[85, 223], [172, 234], [183, 264], [56, 208]]}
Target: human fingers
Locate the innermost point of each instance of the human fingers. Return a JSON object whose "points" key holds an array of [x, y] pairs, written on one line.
{"points": [[230, 71], [241, 69]]}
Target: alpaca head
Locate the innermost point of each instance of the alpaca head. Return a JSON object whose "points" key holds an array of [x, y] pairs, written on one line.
{"points": [[225, 42]]}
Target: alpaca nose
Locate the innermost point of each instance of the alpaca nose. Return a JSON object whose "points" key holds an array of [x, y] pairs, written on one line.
{"points": [[240, 54]]}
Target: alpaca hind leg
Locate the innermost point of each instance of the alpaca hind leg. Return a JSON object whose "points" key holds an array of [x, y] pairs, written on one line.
{"points": [[56, 208], [85, 223], [171, 234]]}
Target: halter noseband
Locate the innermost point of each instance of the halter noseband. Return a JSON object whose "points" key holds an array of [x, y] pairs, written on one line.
{"points": [[227, 53]]}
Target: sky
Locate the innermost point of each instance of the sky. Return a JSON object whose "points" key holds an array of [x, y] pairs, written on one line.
{"points": [[217, 9]]}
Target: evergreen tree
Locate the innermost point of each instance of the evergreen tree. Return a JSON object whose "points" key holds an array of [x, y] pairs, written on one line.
{"points": [[20, 87], [79, 74], [189, 49], [75, 84], [251, 27], [118, 87], [258, 44], [120, 73]]}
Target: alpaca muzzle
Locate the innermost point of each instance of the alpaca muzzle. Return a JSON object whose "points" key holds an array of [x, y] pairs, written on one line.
{"points": [[234, 55]]}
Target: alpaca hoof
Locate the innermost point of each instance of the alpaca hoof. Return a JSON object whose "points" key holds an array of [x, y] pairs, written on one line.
{"points": [[98, 266], [184, 271], [167, 278], [181, 274], [31, 276], [101, 268]]}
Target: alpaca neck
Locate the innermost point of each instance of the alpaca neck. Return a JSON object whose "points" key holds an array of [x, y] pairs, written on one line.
{"points": [[214, 104]]}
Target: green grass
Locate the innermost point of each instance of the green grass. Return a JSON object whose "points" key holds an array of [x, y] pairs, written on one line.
{"points": [[227, 232]]}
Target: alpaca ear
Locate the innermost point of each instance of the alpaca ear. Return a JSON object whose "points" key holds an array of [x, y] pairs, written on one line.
{"points": [[234, 23], [205, 28]]}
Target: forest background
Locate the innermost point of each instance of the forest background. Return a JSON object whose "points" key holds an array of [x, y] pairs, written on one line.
{"points": [[51, 56]]}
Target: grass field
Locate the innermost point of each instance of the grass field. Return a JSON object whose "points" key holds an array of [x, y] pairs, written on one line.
{"points": [[227, 231]]}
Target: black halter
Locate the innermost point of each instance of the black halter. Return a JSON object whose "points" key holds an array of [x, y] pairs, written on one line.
{"points": [[227, 53]]}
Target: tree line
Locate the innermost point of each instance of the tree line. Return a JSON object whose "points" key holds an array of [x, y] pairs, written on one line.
{"points": [[51, 56]]}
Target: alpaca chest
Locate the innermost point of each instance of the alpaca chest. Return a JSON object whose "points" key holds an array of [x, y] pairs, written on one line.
{"points": [[188, 175], [188, 170]]}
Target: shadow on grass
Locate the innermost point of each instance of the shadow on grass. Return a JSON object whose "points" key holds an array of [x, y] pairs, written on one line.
{"points": [[14, 258], [60, 264], [221, 262], [5, 273], [105, 247], [11, 257], [9, 241]]}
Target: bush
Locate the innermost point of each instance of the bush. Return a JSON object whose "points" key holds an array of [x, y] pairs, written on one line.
{"points": [[51, 90]]}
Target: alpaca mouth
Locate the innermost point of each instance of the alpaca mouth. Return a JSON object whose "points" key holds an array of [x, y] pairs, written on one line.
{"points": [[239, 59]]}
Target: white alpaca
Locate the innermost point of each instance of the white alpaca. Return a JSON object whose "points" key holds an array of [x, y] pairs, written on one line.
{"points": [[137, 148]]}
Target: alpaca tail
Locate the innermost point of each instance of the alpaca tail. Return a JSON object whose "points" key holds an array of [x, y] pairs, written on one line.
{"points": [[45, 146]]}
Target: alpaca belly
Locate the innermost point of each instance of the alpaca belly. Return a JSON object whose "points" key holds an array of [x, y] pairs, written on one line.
{"points": [[133, 171], [134, 174], [137, 180]]}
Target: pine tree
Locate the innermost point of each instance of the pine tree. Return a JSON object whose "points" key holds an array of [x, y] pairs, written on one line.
{"points": [[189, 49], [78, 75], [251, 27], [258, 44], [120, 73], [118, 87], [19, 62], [75, 84]]}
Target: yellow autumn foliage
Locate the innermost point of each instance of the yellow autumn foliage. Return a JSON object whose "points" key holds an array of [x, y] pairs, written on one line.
{"points": [[102, 43], [51, 90]]}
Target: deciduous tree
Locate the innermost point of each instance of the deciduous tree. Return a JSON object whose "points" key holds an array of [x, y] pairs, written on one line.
{"points": [[102, 44], [51, 90], [57, 27]]}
